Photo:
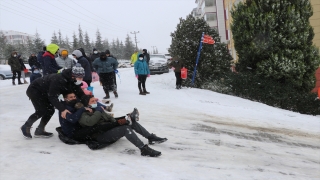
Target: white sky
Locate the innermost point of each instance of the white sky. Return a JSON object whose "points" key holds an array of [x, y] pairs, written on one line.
{"points": [[211, 136], [154, 19]]}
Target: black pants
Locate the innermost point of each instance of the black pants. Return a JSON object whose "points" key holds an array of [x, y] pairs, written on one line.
{"points": [[107, 80], [34, 76], [43, 108], [127, 131], [15, 75], [178, 78], [88, 82], [142, 81]]}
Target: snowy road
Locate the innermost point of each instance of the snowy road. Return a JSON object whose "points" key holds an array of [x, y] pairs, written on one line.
{"points": [[211, 136]]}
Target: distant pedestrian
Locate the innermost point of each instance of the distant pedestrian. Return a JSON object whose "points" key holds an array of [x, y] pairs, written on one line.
{"points": [[146, 55], [33, 61], [95, 54], [177, 64], [134, 57], [108, 54], [105, 67], [24, 70], [15, 67], [141, 70]]}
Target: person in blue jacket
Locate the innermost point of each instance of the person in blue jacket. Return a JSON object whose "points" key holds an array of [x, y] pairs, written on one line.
{"points": [[50, 65], [141, 70]]}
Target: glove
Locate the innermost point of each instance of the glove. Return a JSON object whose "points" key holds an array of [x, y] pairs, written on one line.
{"points": [[116, 71], [60, 70], [137, 76], [122, 121], [148, 75]]}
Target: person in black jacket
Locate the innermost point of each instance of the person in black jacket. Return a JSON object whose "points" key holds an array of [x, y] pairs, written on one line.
{"points": [[146, 55], [85, 64], [44, 92], [88, 59], [95, 54], [33, 61]]}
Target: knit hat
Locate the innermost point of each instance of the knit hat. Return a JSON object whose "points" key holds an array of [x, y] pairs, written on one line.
{"points": [[141, 55], [77, 53], [52, 48], [64, 52], [78, 71], [107, 51]]}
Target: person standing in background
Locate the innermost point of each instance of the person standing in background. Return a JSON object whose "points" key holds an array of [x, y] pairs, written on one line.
{"points": [[15, 67]]}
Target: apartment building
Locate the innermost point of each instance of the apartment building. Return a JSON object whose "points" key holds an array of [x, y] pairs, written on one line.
{"points": [[315, 21], [15, 37]]}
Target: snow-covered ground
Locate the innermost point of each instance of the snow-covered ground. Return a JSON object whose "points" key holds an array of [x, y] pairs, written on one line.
{"points": [[210, 136]]}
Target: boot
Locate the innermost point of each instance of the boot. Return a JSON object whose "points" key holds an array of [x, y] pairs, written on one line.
{"points": [[134, 116], [42, 133], [26, 82], [109, 108], [177, 86], [19, 82], [145, 91], [115, 94], [107, 95], [180, 86], [141, 92], [155, 139], [13, 83], [26, 131], [146, 151]]}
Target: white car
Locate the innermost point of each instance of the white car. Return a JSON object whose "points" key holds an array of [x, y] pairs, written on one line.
{"points": [[158, 65], [5, 72]]}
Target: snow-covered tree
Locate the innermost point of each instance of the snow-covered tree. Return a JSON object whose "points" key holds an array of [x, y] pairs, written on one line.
{"points": [[87, 44], [128, 48], [54, 38], [213, 61], [274, 39], [98, 43], [80, 42], [75, 42]]}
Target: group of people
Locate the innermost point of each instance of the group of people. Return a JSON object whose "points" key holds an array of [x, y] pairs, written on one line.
{"points": [[17, 68], [81, 117]]}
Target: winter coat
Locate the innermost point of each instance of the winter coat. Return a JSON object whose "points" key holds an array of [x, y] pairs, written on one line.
{"points": [[96, 117], [71, 123], [52, 85], [134, 57], [105, 66], [86, 66], [50, 65], [177, 64], [141, 67], [14, 62], [66, 63], [33, 61], [94, 56], [88, 59], [146, 57]]}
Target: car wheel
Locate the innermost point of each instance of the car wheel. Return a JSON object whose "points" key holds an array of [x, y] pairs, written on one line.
{"points": [[2, 77]]}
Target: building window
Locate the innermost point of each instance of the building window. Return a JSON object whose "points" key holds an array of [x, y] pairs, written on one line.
{"points": [[210, 17], [209, 3]]}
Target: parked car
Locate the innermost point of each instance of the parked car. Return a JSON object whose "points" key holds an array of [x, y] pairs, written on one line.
{"points": [[124, 64], [158, 65], [5, 72]]}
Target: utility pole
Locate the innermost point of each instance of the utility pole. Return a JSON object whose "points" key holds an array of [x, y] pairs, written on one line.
{"points": [[135, 38], [153, 49]]}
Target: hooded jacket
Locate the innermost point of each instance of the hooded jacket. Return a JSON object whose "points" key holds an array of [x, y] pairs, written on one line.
{"points": [[141, 67], [88, 59], [33, 61], [84, 63], [14, 62], [50, 65], [134, 57], [53, 85], [177, 64], [105, 66], [66, 63], [146, 55]]}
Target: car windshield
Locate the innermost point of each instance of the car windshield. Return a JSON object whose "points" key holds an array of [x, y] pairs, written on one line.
{"points": [[157, 56]]}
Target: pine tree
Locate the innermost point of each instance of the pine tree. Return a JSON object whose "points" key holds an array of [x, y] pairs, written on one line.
{"points": [[87, 44], [99, 44], [67, 45], [113, 47], [60, 39], [121, 51], [80, 42], [105, 44], [128, 48], [213, 61], [3, 44], [75, 42], [54, 38], [274, 40], [37, 43]]}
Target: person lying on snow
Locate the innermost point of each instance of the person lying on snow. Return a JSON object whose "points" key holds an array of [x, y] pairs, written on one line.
{"points": [[91, 123]]}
